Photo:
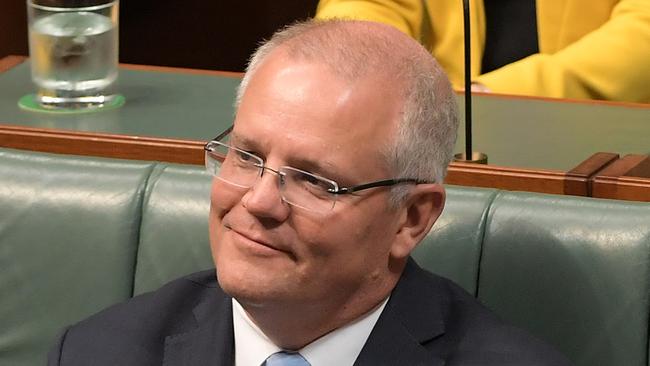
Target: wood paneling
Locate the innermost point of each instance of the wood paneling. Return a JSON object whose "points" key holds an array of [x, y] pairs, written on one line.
{"points": [[99, 144], [627, 178], [514, 179], [585, 172]]}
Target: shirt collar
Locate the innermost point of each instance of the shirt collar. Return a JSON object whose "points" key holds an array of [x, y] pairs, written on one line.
{"points": [[339, 347]]}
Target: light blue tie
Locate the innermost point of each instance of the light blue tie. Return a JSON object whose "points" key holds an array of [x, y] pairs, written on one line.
{"points": [[286, 359]]}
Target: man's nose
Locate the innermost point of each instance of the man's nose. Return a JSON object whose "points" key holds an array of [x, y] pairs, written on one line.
{"points": [[264, 198]]}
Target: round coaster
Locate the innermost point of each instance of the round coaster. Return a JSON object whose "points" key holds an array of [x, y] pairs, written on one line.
{"points": [[29, 103]]}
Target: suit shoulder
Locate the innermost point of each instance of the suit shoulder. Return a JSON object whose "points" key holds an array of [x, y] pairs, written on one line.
{"points": [[133, 332], [488, 340], [180, 294], [473, 334]]}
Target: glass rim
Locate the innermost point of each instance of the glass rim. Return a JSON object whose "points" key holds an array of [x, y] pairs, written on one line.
{"points": [[57, 9]]}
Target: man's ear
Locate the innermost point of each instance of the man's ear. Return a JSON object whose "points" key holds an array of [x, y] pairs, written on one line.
{"points": [[419, 212]]}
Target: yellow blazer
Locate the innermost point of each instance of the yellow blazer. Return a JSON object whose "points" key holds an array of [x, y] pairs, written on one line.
{"points": [[597, 49]]}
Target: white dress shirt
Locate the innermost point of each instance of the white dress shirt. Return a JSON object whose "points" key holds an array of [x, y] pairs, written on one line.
{"points": [[340, 347]]}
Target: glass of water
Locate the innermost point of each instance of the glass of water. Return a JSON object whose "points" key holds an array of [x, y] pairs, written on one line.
{"points": [[73, 46]]}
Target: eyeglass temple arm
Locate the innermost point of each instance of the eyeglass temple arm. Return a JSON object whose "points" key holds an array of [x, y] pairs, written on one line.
{"points": [[224, 133], [219, 137], [379, 183]]}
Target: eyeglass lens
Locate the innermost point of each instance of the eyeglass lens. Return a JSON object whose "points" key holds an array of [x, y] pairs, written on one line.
{"points": [[297, 187]]}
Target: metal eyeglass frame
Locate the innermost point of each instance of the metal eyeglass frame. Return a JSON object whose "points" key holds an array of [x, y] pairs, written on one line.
{"points": [[338, 190]]}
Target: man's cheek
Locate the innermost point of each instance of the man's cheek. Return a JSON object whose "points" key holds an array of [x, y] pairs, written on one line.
{"points": [[223, 198]]}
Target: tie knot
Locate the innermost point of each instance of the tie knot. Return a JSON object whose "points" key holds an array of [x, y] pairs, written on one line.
{"points": [[286, 359]]}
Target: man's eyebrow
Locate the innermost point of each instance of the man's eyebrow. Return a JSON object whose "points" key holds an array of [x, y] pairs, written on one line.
{"points": [[319, 167], [241, 141]]}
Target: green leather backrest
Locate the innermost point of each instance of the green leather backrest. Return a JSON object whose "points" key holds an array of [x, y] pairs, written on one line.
{"points": [[453, 246], [174, 234], [573, 271], [78, 234], [68, 238]]}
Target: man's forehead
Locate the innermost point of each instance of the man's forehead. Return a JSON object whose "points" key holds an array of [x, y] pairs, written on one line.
{"points": [[326, 93], [280, 68], [316, 158]]}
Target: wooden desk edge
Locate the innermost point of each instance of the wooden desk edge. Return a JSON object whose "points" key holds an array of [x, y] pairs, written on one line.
{"points": [[191, 152], [102, 144], [628, 178], [516, 179], [575, 182], [182, 70], [588, 169]]}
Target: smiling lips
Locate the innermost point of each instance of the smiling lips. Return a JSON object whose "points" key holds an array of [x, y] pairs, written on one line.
{"points": [[256, 240]]}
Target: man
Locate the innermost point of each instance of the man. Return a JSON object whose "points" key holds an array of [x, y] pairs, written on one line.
{"points": [[331, 177]]}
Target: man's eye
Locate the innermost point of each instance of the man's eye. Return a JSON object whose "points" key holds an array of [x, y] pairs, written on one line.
{"points": [[313, 184], [243, 156], [311, 180]]}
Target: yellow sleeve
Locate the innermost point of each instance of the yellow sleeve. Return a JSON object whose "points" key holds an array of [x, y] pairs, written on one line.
{"points": [[405, 15], [612, 63]]}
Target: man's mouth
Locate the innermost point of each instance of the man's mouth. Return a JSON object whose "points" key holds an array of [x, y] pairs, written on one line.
{"points": [[255, 239]]}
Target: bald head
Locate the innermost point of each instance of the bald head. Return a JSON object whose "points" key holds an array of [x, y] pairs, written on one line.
{"points": [[356, 50]]}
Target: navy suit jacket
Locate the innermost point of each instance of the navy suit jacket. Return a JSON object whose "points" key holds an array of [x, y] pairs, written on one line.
{"points": [[427, 321]]}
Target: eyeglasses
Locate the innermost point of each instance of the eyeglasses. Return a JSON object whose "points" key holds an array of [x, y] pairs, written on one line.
{"points": [[297, 187]]}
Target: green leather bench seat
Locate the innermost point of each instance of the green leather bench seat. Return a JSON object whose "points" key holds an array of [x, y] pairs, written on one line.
{"points": [[68, 237], [573, 270], [174, 236], [78, 234], [453, 247]]}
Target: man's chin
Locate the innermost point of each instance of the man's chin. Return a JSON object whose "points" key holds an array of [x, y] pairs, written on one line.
{"points": [[247, 290], [252, 298]]}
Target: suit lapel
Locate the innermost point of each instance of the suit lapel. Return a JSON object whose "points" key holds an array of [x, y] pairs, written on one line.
{"points": [[412, 317], [211, 342], [391, 343]]}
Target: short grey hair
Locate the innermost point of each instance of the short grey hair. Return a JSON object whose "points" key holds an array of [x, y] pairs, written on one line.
{"points": [[426, 135]]}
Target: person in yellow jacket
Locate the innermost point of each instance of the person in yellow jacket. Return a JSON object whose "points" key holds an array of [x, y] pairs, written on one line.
{"points": [[595, 49]]}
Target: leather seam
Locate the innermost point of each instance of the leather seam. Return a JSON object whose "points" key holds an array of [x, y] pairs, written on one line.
{"points": [[484, 221], [144, 199]]}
